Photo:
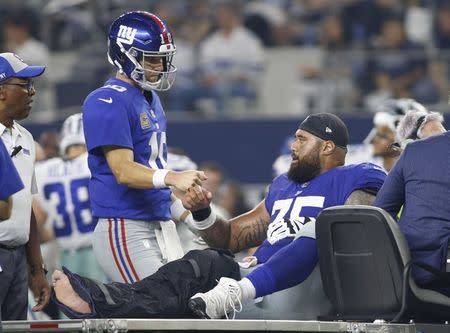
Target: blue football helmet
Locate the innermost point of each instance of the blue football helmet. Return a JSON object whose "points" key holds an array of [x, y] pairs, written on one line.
{"points": [[140, 45]]}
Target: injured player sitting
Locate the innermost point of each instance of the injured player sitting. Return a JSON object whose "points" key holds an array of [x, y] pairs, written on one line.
{"points": [[282, 225]]}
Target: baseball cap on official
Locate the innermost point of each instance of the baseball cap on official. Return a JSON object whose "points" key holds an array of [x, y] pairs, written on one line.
{"points": [[326, 126], [11, 65]]}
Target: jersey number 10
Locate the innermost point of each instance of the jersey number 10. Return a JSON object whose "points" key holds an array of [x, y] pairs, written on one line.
{"points": [[158, 150]]}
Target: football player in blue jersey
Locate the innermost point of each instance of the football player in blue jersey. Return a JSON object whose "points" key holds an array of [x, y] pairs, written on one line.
{"points": [[283, 224], [125, 131]]}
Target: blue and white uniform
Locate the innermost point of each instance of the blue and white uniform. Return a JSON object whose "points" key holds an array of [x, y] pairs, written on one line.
{"points": [[125, 241], [288, 262], [63, 188]]}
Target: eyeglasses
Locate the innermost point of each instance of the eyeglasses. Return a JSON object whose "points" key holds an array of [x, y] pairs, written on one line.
{"points": [[28, 86]]}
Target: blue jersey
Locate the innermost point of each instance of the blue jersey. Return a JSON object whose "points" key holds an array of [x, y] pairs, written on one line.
{"points": [[10, 181], [287, 199], [119, 114]]}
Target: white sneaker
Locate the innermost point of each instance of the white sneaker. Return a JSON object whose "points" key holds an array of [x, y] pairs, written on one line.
{"points": [[219, 302]]}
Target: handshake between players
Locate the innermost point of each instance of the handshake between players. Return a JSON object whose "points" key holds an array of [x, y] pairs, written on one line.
{"points": [[184, 180]]}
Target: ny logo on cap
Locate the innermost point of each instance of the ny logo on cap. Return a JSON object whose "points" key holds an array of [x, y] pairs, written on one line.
{"points": [[328, 130]]}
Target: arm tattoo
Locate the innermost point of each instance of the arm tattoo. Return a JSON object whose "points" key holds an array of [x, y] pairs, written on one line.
{"points": [[360, 197], [248, 234], [218, 235]]}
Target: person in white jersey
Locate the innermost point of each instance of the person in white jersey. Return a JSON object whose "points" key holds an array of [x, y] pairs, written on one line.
{"points": [[63, 185]]}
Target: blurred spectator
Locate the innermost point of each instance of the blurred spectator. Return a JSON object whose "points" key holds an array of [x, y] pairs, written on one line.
{"points": [[49, 141], [231, 59], [330, 86], [363, 19], [269, 22], [215, 185], [18, 27], [439, 75], [419, 23], [233, 200], [69, 24], [382, 140], [442, 28], [399, 67], [305, 18], [190, 32], [383, 135]]}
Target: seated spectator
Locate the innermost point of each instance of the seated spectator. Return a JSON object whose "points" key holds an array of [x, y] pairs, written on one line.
{"points": [[363, 18], [230, 60], [190, 32], [399, 67], [49, 141], [330, 85], [21, 30], [442, 27], [216, 185], [420, 184], [269, 22]]}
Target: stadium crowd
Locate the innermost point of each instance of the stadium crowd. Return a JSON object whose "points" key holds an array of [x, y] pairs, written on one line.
{"points": [[367, 50]]}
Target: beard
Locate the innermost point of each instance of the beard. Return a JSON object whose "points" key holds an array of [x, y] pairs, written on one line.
{"points": [[306, 169]]}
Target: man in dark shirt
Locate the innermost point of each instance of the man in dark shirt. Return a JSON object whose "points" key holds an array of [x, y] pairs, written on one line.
{"points": [[420, 183]]}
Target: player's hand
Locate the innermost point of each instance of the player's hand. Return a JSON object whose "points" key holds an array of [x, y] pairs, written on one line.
{"points": [[285, 228], [196, 198], [185, 179], [41, 290]]}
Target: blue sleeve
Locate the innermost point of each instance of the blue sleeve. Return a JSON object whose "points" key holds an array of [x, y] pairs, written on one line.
{"points": [[106, 124], [287, 268], [277, 184], [367, 176], [10, 181], [268, 200], [391, 196]]}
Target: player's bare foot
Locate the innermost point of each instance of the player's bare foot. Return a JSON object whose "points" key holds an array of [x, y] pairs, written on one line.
{"points": [[66, 295]]}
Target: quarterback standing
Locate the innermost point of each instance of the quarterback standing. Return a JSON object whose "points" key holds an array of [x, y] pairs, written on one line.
{"points": [[125, 131]]}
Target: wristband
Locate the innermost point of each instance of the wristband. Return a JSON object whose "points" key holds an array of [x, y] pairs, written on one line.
{"points": [[203, 218], [158, 178], [178, 212], [201, 214]]}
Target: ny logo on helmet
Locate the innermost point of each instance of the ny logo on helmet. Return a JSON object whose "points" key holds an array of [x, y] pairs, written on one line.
{"points": [[126, 35]]}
